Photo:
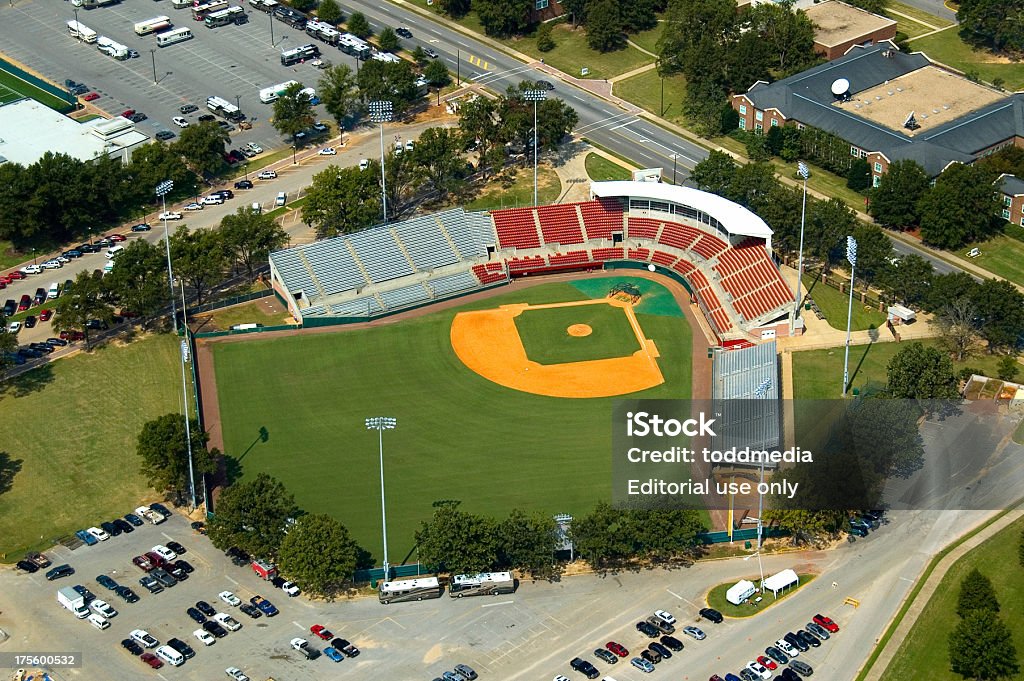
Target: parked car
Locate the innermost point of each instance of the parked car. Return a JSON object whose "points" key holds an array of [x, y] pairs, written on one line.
{"points": [[151, 585], [164, 135], [131, 646], [215, 629], [243, 184], [327, 151], [333, 654], [175, 546], [180, 122], [236, 674], [169, 215], [44, 316], [776, 655], [823, 621], [141, 227], [188, 108], [165, 578], [617, 648], [185, 649], [164, 552], [259, 150], [711, 615], [606, 655], [660, 649], [801, 668], [38, 559], [152, 660], [584, 667], [106, 582], [648, 629], [87, 538], [818, 630], [643, 665], [27, 566], [127, 594], [229, 598], [98, 533], [322, 632], [695, 633], [344, 646], [266, 174], [204, 637], [30, 321], [672, 643]]}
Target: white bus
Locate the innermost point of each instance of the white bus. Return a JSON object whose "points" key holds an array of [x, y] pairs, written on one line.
{"points": [[299, 54], [409, 590], [178, 35], [492, 583], [199, 12], [231, 15], [357, 47], [82, 32], [152, 25], [111, 48], [270, 94], [224, 108]]}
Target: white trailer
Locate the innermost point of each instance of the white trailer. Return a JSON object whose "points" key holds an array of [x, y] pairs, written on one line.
{"points": [[73, 601]]}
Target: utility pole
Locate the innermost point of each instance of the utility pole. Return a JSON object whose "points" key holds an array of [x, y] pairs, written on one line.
{"points": [[851, 257], [804, 172], [152, 54]]}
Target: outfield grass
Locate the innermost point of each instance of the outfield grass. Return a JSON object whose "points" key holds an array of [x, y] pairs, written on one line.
{"points": [[601, 169], [459, 436], [835, 306], [644, 90], [546, 338], [924, 652], [71, 426], [1001, 255], [947, 47], [716, 598], [12, 82], [253, 312], [520, 193], [817, 374]]}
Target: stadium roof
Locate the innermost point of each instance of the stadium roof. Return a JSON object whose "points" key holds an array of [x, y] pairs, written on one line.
{"points": [[29, 129], [745, 417], [735, 218]]}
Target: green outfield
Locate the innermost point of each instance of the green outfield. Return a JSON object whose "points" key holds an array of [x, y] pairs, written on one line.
{"points": [[546, 337], [13, 88], [459, 436]]}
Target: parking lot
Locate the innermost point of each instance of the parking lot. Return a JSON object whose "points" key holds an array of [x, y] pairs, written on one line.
{"points": [[531, 634], [233, 62]]}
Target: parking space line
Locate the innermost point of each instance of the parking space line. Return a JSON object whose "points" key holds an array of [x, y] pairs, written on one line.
{"points": [[675, 594], [298, 625], [491, 605], [231, 580]]}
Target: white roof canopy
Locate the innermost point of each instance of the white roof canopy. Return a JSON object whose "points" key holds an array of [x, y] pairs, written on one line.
{"points": [[781, 580], [734, 217]]}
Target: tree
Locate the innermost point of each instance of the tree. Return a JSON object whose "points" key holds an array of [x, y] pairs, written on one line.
{"points": [[578, 10], [253, 515], [339, 94], [805, 525], [249, 237], [388, 40], [555, 121], [545, 43], [605, 32], [419, 55], [528, 542], [202, 146], [303, 5], [437, 74], [479, 126], [753, 185], [293, 111], [827, 225], [139, 279], [437, 153], [85, 301], [960, 207], [342, 200], [8, 344], [874, 250], [153, 163], [456, 541], [163, 448], [503, 18], [330, 11], [599, 536], [908, 279], [992, 24], [319, 554], [981, 647], [715, 173], [389, 81], [1000, 310], [917, 372], [455, 8], [858, 178], [199, 258], [404, 177], [947, 288], [894, 200], [1008, 368], [358, 26], [958, 327]]}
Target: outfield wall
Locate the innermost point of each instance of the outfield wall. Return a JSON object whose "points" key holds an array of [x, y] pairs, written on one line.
{"points": [[70, 101]]}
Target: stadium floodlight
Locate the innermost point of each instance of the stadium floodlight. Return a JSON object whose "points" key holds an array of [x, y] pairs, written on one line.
{"points": [[851, 257], [381, 112], [535, 96], [162, 190], [380, 424], [804, 172]]}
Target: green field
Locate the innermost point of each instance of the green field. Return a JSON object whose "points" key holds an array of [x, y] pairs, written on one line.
{"points": [[716, 598], [547, 341], [947, 48], [924, 653], [601, 169], [68, 438], [644, 90], [1001, 255], [13, 88], [459, 436], [836, 306]]}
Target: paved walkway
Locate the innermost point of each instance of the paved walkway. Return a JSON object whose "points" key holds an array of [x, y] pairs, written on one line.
{"points": [[929, 589]]}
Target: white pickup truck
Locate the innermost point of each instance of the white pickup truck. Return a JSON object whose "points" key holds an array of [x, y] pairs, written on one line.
{"points": [[149, 514]]}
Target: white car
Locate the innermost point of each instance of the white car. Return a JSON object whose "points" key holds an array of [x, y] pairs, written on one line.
{"points": [[180, 122], [328, 151], [212, 200], [103, 608], [31, 269], [164, 552], [785, 647], [299, 643], [143, 637], [169, 215], [560, 677], [63, 259], [98, 533], [229, 598], [363, 164], [409, 145], [265, 174], [204, 637], [52, 264], [290, 588], [194, 206], [236, 674], [227, 621], [14, 327], [98, 621], [259, 150], [665, 616], [759, 669]]}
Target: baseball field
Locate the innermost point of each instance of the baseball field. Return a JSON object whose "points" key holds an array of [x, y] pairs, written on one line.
{"points": [[459, 435]]}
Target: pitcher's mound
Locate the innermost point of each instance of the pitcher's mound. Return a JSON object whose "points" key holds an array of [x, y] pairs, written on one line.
{"points": [[580, 330]]}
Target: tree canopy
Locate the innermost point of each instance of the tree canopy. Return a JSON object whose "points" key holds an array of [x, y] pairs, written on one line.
{"points": [[202, 146], [319, 554], [339, 93], [981, 647], [961, 207], [894, 201], [992, 24], [86, 300], [249, 237], [920, 372], [503, 18], [252, 515], [163, 448], [343, 199], [456, 541], [293, 111]]}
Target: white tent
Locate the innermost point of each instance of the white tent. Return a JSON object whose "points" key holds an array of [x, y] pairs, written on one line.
{"points": [[740, 591], [781, 581]]}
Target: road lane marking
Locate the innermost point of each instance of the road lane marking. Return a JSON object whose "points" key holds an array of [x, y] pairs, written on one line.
{"points": [[298, 625]]}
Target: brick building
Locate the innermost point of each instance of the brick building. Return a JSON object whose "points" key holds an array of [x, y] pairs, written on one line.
{"points": [[838, 27], [1011, 195]]}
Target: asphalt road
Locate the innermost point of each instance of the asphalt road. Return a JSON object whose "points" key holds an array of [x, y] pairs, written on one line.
{"points": [[936, 7]]}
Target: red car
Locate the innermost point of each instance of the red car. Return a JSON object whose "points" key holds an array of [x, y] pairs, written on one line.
{"points": [[142, 563], [715, 677], [128, 113], [117, 238], [92, 97], [16, 275], [617, 648], [6, 279], [768, 662], [44, 315], [826, 622], [3, 284], [72, 335], [321, 631], [156, 559], [25, 303], [152, 660]]}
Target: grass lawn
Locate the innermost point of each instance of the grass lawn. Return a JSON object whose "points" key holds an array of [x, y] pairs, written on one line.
{"points": [[459, 436], [8, 256], [716, 598], [644, 90], [546, 338], [947, 47], [520, 193], [919, 15], [924, 653], [68, 435], [600, 169], [817, 374], [835, 305], [572, 52], [253, 312], [648, 39], [9, 82], [1002, 255]]}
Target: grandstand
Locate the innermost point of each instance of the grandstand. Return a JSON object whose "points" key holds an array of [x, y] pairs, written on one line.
{"points": [[720, 250]]}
